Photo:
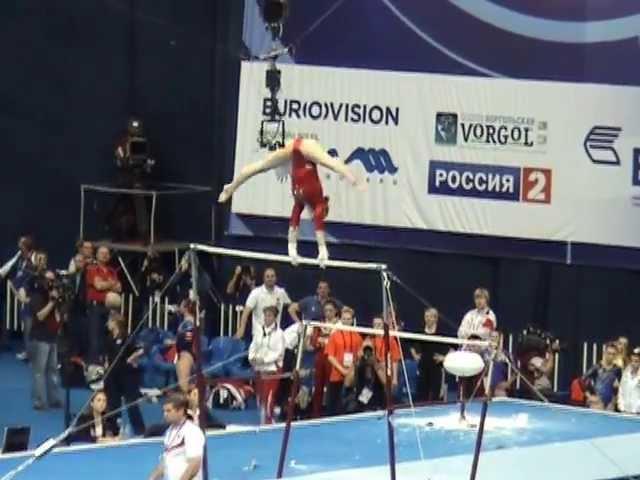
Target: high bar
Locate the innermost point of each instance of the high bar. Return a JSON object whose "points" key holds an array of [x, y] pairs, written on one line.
{"points": [[285, 259]]}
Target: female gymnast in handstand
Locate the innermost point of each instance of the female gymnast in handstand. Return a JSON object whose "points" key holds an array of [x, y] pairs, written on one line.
{"points": [[305, 155]]}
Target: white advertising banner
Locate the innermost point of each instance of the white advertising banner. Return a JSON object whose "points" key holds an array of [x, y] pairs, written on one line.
{"points": [[524, 159]]}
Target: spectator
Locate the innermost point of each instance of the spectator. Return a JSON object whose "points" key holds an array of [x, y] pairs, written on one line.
{"points": [[629, 392], [480, 321], [266, 353], [78, 307], [44, 351], [98, 428], [20, 268], [267, 295], [380, 348], [125, 376], [342, 350], [241, 283], [310, 307], [604, 380], [429, 356], [622, 360], [101, 279], [317, 343], [85, 249]]}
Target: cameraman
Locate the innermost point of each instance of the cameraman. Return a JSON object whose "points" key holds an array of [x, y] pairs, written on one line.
{"points": [[368, 391], [47, 318], [132, 154], [536, 352], [370, 372]]}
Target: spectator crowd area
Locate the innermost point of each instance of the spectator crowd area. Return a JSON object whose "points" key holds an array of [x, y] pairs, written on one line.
{"points": [[124, 329]]}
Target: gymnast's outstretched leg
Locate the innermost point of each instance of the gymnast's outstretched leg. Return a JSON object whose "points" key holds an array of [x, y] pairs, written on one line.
{"points": [[273, 160], [294, 224], [320, 212]]}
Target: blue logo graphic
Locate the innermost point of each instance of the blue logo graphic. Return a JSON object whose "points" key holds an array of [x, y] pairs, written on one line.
{"points": [[374, 160], [474, 180], [599, 145]]}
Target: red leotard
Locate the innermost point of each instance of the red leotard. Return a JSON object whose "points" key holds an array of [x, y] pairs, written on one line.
{"points": [[306, 188]]}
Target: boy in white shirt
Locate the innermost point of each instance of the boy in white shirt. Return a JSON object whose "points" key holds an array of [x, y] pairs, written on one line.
{"points": [[266, 353], [183, 444]]}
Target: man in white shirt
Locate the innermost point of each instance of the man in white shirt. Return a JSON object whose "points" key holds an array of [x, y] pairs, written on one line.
{"points": [[266, 295], [481, 321], [183, 444], [629, 391], [266, 353]]}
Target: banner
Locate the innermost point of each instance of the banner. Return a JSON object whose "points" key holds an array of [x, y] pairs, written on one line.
{"points": [[535, 160]]}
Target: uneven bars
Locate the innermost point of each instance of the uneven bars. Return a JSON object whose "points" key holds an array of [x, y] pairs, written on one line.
{"points": [[284, 258], [406, 335]]}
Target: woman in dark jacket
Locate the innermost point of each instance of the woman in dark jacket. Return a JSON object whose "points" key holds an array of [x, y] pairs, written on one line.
{"points": [[98, 429], [429, 356]]}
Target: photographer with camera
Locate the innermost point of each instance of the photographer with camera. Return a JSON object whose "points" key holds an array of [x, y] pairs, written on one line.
{"points": [[45, 301], [370, 373], [132, 154], [536, 351], [368, 390]]}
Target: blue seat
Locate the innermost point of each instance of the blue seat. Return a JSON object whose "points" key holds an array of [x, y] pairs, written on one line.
{"points": [[220, 350], [412, 375]]}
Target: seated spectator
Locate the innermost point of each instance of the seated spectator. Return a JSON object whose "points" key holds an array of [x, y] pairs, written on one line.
{"points": [[343, 350], [429, 356], [266, 353], [629, 392], [241, 283], [317, 343], [125, 377], [604, 380], [622, 360], [98, 429], [310, 307], [480, 321]]}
